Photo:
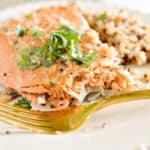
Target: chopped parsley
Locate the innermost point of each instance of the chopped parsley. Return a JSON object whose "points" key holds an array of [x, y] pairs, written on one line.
{"points": [[36, 32], [102, 17], [26, 60], [61, 45], [51, 83], [24, 103], [20, 30]]}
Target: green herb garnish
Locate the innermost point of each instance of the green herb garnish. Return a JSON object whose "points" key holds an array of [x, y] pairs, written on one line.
{"points": [[20, 30], [51, 83], [23, 102], [62, 45], [88, 58], [102, 17], [36, 32], [26, 60]]}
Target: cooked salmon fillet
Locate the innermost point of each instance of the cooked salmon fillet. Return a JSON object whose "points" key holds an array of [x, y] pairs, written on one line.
{"points": [[62, 83]]}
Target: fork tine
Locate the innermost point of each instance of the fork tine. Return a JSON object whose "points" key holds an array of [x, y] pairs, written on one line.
{"points": [[21, 112], [23, 118], [13, 121], [63, 123], [63, 120], [57, 119]]}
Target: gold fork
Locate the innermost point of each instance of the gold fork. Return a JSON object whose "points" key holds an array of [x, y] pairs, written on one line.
{"points": [[61, 120]]}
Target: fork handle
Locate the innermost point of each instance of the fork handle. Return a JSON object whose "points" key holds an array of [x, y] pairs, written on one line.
{"points": [[130, 96]]}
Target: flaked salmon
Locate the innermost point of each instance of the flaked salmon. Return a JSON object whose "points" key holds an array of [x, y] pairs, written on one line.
{"points": [[51, 56]]}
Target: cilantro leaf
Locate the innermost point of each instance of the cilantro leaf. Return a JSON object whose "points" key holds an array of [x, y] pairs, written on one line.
{"points": [[26, 60], [20, 30], [62, 44], [51, 83], [36, 32], [24, 103], [102, 17], [89, 58]]}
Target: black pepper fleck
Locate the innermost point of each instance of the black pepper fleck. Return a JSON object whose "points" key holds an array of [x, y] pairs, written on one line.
{"points": [[98, 44], [145, 75], [13, 94], [43, 104], [61, 99], [79, 63], [52, 106], [47, 96], [61, 70], [72, 101], [7, 132], [5, 74]]}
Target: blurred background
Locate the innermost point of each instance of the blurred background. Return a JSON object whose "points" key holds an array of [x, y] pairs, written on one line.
{"points": [[138, 4]]}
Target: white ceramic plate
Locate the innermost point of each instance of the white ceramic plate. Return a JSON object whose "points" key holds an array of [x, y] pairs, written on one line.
{"points": [[119, 127]]}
